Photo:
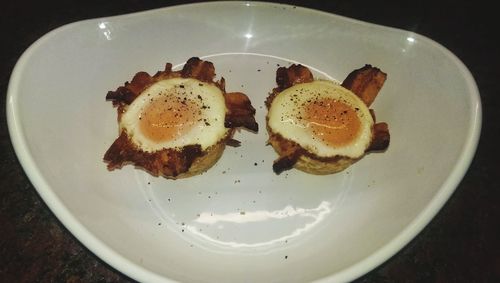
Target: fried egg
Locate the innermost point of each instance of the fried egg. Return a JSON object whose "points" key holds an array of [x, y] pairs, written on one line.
{"points": [[324, 118], [174, 113]]}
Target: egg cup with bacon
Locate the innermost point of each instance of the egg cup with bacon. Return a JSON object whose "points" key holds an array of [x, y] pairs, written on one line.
{"points": [[176, 124], [322, 127]]}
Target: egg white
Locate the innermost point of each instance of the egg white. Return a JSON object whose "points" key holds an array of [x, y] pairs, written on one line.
{"points": [[207, 131], [284, 112]]}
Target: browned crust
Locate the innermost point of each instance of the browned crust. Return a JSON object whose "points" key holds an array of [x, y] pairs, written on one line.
{"points": [[365, 82], [164, 162], [188, 160]]}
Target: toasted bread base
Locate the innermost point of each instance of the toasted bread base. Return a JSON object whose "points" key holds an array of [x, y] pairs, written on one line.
{"points": [[309, 163], [317, 167]]}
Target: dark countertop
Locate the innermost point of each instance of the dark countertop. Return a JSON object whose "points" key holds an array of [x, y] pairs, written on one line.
{"points": [[461, 244]]}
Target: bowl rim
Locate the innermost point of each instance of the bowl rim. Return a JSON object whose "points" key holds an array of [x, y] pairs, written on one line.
{"points": [[129, 268]]}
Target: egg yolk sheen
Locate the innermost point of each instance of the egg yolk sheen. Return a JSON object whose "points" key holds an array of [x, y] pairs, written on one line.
{"points": [[165, 119], [333, 121]]}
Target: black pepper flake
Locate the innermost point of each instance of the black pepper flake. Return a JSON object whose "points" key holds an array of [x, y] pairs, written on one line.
{"points": [[181, 86], [255, 164], [200, 84], [199, 97], [286, 257], [258, 70]]}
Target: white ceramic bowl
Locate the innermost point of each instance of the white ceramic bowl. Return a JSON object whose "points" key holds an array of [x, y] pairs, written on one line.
{"points": [[240, 222]]}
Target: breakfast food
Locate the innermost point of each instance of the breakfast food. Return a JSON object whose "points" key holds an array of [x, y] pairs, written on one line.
{"points": [[176, 123], [322, 127]]}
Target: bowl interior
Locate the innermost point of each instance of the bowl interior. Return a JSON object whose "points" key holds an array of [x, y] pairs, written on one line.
{"points": [[239, 220]]}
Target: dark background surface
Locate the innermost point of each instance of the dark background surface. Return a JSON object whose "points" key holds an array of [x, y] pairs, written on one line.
{"points": [[461, 244]]}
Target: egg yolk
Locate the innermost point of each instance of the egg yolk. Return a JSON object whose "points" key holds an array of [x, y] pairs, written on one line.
{"points": [[166, 119], [333, 121]]}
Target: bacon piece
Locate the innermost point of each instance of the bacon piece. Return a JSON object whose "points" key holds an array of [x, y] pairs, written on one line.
{"points": [[167, 162], [232, 142], [381, 137], [194, 68], [365, 82], [198, 69], [295, 74], [241, 112], [289, 153], [126, 94], [121, 95], [288, 77]]}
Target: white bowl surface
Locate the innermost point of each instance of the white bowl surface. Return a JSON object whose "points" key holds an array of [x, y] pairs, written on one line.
{"points": [[239, 222]]}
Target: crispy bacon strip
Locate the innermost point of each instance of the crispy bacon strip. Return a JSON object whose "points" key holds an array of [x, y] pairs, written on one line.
{"points": [[295, 74], [201, 70], [241, 112], [365, 82], [288, 77], [172, 162], [381, 137]]}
